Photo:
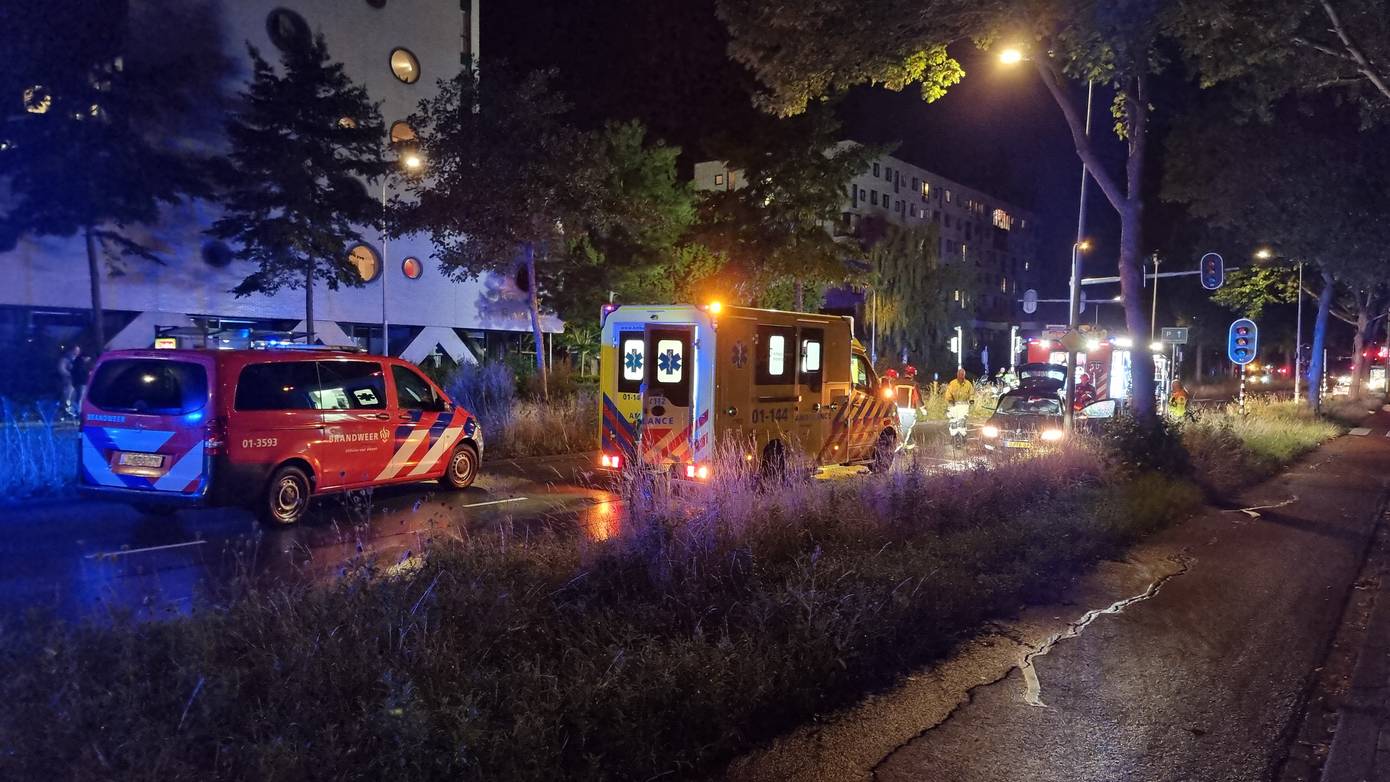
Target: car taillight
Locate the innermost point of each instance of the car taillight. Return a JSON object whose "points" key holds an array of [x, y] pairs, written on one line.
{"points": [[698, 472], [215, 436], [611, 461]]}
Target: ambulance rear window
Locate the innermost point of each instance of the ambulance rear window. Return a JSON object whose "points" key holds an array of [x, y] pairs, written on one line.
{"points": [[776, 356], [810, 369], [149, 385], [632, 351]]}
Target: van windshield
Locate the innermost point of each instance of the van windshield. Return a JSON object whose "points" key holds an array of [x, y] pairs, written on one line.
{"points": [[149, 385]]}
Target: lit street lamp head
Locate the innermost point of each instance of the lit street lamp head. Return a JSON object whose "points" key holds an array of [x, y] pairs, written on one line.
{"points": [[1264, 253], [1011, 56], [412, 162], [1084, 245]]}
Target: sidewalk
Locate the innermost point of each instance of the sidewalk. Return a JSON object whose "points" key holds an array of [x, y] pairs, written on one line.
{"points": [[1361, 748]]}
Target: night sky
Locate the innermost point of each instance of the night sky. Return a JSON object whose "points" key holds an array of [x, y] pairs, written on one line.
{"points": [[664, 62]]}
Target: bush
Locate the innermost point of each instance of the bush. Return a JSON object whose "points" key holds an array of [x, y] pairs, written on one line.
{"points": [[1135, 447], [38, 451], [516, 426], [1229, 449]]}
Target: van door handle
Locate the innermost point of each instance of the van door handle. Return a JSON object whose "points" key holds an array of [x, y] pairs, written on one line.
{"points": [[382, 416]]}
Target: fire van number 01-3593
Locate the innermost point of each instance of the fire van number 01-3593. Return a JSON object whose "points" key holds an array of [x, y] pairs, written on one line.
{"points": [[260, 442]]}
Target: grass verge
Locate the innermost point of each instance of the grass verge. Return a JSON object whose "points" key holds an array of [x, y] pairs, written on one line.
{"points": [[701, 626]]}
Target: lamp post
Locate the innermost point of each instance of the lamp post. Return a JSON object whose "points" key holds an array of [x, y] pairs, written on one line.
{"points": [[1013, 56], [1264, 254], [412, 164]]}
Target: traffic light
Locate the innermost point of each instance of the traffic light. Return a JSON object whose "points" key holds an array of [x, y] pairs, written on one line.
{"points": [[1213, 271], [1242, 341]]}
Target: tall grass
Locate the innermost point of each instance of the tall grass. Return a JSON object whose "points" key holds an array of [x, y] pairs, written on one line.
{"points": [[1228, 448], [38, 451], [516, 426]]}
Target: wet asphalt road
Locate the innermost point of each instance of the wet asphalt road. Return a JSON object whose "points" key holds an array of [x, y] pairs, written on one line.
{"points": [[1188, 660], [81, 557]]}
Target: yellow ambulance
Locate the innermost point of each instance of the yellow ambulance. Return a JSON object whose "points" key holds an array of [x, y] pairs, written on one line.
{"points": [[679, 381]]}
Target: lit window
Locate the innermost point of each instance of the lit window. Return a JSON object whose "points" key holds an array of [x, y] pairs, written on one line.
{"points": [[1002, 220], [670, 360], [401, 132], [287, 29], [412, 268], [405, 66], [632, 359], [719, 179], [37, 100], [1004, 284], [366, 261], [776, 355], [958, 295], [948, 196], [810, 355]]}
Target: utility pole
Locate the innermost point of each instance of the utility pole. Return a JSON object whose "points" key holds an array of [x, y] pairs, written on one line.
{"points": [[1153, 313], [385, 319], [1074, 303], [1298, 338]]}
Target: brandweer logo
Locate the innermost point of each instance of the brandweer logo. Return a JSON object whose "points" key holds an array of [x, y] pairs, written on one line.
{"points": [[357, 437]]}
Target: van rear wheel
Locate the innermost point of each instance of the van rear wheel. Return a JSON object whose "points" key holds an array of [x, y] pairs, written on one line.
{"points": [[287, 496], [463, 467]]}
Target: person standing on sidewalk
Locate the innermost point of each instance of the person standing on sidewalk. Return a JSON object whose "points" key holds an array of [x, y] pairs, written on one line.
{"points": [[67, 388]]}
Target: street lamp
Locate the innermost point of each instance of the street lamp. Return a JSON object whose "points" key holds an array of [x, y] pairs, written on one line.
{"points": [[412, 163], [1264, 254], [1013, 55]]}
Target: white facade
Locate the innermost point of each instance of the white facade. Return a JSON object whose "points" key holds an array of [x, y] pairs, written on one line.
{"points": [[47, 273]]}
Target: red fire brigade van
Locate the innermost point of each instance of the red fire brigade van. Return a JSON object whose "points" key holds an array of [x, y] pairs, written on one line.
{"points": [[267, 428]]}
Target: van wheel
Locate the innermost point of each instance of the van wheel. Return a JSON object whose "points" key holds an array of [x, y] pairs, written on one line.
{"points": [[774, 464], [463, 467], [286, 497], [885, 451]]}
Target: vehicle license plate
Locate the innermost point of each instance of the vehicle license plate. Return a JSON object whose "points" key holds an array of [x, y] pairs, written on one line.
{"points": [[1017, 444], [141, 460]]}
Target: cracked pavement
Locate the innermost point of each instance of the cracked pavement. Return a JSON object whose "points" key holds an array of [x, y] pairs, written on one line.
{"points": [[1200, 674]]}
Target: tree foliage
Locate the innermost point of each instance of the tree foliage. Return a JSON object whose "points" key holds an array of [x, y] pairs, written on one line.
{"points": [[771, 227], [303, 139], [95, 94], [919, 295], [1250, 291]]}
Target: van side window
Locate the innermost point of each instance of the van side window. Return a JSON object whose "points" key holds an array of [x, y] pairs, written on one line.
{"points": [[776, 355], [863, 374], [351, 385], [810, 368], [632, 352], [277, 385], [414, 392]]}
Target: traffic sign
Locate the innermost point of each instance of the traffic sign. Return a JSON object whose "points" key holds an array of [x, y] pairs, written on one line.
{"points": [[1030, 301], [1213, 271], [1173, 335], [1242, 341]]}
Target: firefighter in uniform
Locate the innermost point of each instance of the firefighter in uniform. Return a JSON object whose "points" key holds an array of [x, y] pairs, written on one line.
{"points": [[1177, 402]]}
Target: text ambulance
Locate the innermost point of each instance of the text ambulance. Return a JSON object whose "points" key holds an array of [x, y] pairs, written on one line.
{"points": [[679, 381], [266, 428]]}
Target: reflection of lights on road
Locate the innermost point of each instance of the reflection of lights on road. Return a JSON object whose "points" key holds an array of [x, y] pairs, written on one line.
{"points": [[603, 521]]}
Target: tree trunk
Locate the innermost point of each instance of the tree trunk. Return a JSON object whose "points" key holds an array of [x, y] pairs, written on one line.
{"points": [[94, 277], [534, 300], [1319, 341], [800, 296], [1136, 314], [309, 303], [1358, 346]]}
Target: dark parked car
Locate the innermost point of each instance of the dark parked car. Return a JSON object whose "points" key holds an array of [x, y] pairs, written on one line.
{"points": [[1030, 417]]}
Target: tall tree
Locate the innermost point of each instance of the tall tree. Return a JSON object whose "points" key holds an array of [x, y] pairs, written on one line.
{"points": [[303, 140], [1266, 177], [511, 179], [805, 50], [920, 297], [99, 128], [790, 180]]}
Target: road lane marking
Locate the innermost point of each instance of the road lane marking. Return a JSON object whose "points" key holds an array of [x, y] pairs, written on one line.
{"points": [[495, 502], [111, 554], [1361, 431], [1254, 512]]}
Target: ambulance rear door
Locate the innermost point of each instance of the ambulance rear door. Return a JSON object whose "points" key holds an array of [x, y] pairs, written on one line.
{"points": [[667, 395]]}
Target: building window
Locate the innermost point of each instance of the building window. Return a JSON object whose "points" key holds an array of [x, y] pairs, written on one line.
{"points": [[37, 100], [948, 196], [862, 196], [366, 260], [875, 169], [873, 197], [1001, 219], [377, 3], [405, 66], [401, 132], [412, 268], [719, 179], [887, 174], [287, 29], [914, 183]]}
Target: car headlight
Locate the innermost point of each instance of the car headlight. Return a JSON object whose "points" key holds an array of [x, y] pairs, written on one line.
{"points": [[990, 430], [1052, 435]]}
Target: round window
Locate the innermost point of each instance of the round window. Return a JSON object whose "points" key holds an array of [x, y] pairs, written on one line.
{"points": [[412, 268], [405, 65], [287, 29], [37, 100], [401, 132], [216, 253], [366, 260]]}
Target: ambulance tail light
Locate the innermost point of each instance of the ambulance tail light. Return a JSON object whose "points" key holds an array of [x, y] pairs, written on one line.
{"points": [[215, 435], [611, 461], [697, 472]]}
